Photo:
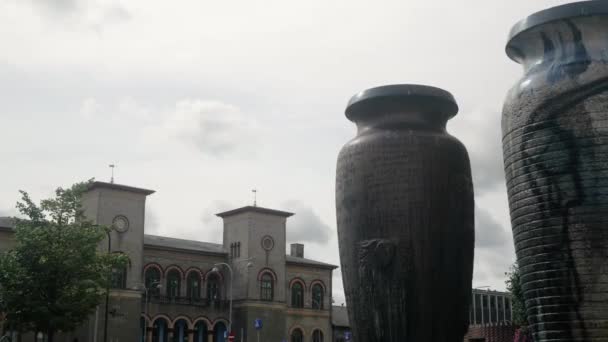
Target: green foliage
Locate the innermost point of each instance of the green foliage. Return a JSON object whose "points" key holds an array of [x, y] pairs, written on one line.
{"points": [[57, 273], [518, 303]]}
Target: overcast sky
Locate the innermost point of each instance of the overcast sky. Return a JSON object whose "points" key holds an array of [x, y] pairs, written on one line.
{"points": [[203, 101]]}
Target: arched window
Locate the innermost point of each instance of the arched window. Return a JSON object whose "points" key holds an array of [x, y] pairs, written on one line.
{"points": [[173, 284], [218, 332], [297, 295], [200, 332], [152, 281], [213, 287], [180, 331], [119, 278], [193, 286], [297, 336], [160, 330], [317, 336], [266, 287], [317, 297]]}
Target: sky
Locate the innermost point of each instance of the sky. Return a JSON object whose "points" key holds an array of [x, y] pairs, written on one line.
{"points": [[204, 101]]}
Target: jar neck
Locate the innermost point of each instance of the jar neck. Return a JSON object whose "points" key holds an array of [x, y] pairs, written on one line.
{"points": [[402, 120], [571, 44]]}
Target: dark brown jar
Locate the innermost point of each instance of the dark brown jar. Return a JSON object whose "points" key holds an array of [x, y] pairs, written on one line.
{"points": [[555, 148], [404, 202]]}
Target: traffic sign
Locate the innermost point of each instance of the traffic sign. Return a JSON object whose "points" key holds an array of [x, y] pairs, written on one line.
{"points": [[257, 323], [231, 337]]}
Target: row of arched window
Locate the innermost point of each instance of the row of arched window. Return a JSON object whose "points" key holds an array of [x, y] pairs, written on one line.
{"points": [[297, 335], [316, 294], [173, 284], [194, 284], [162, 329]]}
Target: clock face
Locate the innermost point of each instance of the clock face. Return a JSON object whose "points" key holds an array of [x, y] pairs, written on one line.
{"points": [[120, 223], [267, 242]]}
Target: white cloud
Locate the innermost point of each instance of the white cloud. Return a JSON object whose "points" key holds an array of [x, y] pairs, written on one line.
{"points": [[480, 131], [89, 14], [90, 108], [211, 127], [306, 225]]}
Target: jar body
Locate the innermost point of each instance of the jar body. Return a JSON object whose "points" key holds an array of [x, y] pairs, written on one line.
{"points": [[555, 150], [405, 207]]}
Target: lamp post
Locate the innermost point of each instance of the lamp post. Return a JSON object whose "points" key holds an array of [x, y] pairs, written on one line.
{"points": [[105, 321], [153, 285], [216, 269]]}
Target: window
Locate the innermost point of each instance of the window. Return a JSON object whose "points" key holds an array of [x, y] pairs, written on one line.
{"points": [[317, 297], [492, 308], [508, 309], [235, 250], [478, 310], [119, 278], [180, 331], [152, 280], [213, 287], [266, 290], [317, 336], [297, 295], [200, 332], [193, 285], [173, 284], [297, 336], [160, 330]]}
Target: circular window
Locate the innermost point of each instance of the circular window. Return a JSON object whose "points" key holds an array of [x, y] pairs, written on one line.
{"points": [[267, 242], [120, 223]]}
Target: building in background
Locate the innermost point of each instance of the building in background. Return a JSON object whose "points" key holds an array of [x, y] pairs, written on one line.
{"points": [[340, 324], [176, 290], [490, 317]]}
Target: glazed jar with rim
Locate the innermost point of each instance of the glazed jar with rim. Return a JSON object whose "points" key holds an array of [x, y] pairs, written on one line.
{"points": [[404, 203], [555, 149]]}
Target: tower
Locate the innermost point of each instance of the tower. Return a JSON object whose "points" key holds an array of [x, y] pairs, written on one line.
{"points": [[256, 235], [123, 209]]}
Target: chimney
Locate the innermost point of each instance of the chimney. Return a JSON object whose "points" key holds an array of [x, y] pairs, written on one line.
{"points": [[297, 250]]}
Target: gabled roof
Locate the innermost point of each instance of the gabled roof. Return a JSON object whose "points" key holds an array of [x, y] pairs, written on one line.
{"points": [[254, 209], [115, 186], [339, 316], [307, 262], [184, 245]]}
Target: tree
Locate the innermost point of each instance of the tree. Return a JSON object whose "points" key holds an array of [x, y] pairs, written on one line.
{"points": [[518, 307], [56, 275]]}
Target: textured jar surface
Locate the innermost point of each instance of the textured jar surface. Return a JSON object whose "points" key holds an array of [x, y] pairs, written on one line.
{"points": [[555, 149], [405, 205]]}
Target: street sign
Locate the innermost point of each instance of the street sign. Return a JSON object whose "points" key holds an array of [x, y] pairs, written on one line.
{"points": [[347, 335], [257, 323], [225, 335]]}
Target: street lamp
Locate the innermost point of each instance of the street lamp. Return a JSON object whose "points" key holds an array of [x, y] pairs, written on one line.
{"points": [[216, 269], [153, 285], [105, 321]]}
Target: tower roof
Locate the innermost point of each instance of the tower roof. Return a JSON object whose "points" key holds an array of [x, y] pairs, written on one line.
{"points": [[114, 186], [256, 209]]}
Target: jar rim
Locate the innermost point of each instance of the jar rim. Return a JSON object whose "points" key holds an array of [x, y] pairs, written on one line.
{"points": [[571, 10], [422, 97]]}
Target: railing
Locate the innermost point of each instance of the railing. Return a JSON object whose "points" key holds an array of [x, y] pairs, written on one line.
{"points": [[200, 302]]}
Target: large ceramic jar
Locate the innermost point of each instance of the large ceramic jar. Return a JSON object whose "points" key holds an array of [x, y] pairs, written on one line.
{"points": [[555, 144], [404, 202]]}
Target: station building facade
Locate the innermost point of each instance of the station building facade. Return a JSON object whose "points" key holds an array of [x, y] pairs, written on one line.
{"points": [[177, 290]]}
